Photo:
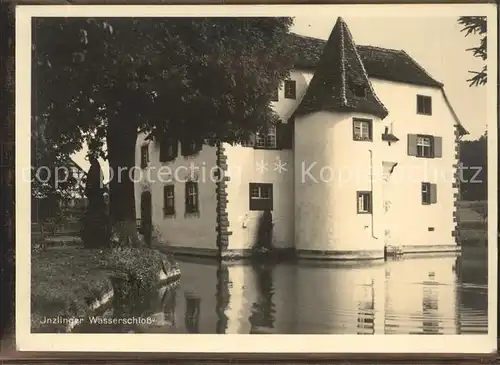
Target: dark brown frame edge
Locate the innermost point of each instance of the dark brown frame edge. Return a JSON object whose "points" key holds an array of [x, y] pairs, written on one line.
{"points": [[8, 353]]}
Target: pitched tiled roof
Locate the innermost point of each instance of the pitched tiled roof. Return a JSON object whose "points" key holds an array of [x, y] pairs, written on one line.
{"points": [[340, 82], [383, 63]]}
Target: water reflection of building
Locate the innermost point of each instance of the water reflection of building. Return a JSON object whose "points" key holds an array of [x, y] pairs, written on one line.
{"points": [[263, 308], [414, 295], [421, 296], [192, 314], [256, 298], [340, 299]]}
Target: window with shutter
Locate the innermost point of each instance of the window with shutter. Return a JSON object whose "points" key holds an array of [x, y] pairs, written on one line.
{"points": [[429, 193], [168, 200], [420, 145], [426, 193]]}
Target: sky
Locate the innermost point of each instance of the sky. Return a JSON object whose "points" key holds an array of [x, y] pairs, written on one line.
{"points": [[436, 43]]}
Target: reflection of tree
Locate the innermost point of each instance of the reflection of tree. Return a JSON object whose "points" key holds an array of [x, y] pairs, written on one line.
{"points": [[222, 297], [263, 309], [192, 316], [366, 313], [169, 302]]}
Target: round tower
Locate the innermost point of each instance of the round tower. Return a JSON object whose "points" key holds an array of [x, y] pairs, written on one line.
{"points": [[338, 197]]}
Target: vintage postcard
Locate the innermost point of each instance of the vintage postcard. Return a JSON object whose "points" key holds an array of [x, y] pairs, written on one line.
{"points": [[290, 177]]}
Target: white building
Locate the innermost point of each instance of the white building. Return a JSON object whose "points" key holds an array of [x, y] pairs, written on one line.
{"points": [[368, 150]]}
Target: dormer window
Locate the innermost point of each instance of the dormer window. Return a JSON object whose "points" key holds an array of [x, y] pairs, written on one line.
{"points": [[359, 91], [358, 88], [424, 105], [290, 89]]}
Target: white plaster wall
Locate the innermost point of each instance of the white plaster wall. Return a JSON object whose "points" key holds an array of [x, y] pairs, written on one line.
{"points": [[432, 277], [242, 169], [192, 231], [242, 162], [408, 220], [326, 217]]}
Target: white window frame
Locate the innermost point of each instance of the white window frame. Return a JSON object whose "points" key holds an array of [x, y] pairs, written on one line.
{"points": [[362, 209], [362, 130], [424, 143], [170, 197], [259, 195], [192, 193]]}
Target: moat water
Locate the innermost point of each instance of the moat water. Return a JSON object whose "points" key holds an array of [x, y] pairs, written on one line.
{"points": [[427, 295]]}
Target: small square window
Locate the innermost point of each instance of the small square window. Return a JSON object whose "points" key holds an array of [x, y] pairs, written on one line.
{"points": [[362, 129], [290, 89], [261, 196], [364, 202], [424, 105]]}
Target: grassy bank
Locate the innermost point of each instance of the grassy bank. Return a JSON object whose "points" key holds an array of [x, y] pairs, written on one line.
{"points": [[67, 281], [473, 223]]}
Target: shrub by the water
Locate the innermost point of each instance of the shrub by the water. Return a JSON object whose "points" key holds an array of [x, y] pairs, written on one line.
{"points": [[137, 267]]}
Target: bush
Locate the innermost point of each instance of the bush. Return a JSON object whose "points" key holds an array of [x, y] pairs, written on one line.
{"points": [[137, 267]]}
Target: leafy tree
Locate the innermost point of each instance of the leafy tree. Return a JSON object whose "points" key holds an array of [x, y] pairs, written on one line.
{"points": [[473, 157], [53, 180], [476, 25], [106, 79]]}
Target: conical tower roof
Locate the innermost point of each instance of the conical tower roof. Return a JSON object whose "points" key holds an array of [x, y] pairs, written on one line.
{"points": [[340, 82]]}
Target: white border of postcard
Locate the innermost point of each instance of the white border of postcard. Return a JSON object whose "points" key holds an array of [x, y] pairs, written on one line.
{"points": [[26, 341]]}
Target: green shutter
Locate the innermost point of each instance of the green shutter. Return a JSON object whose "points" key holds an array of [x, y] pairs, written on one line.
{"points": [[438, 146], [433, 193], [412, 144]]}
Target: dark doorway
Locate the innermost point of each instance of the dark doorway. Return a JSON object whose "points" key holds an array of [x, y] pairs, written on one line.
{"points": [[146, 219]]}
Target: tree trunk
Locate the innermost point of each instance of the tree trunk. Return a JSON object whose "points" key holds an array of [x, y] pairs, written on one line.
{"points": [[121, 140]]}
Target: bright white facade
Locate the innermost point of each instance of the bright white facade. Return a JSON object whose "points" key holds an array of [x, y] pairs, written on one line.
{"points": [[351, 175]]}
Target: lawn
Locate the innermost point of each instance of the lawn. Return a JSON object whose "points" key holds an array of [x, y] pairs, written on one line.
{"points": [[472, 222], [66, 281]]}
